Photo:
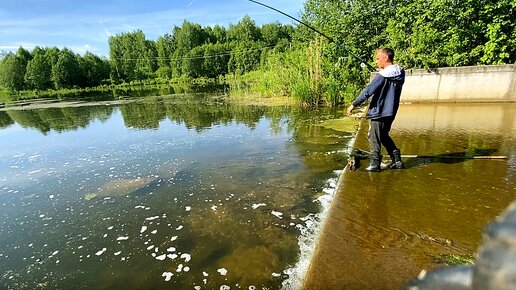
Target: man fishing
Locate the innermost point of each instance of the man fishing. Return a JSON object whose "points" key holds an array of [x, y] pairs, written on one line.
{"points": [[385, 90]]}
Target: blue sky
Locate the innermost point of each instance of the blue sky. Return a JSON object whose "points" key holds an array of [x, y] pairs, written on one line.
{"points": [[85, 25]]}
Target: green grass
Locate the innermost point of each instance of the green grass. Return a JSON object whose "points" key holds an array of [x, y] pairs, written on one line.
{"points": [[453, 259]]}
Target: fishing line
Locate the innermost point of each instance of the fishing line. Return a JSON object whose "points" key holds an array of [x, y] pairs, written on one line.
{"points": [[362, 63]]}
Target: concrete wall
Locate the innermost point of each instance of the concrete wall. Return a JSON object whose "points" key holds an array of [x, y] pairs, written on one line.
{"points": [[490, 83]]}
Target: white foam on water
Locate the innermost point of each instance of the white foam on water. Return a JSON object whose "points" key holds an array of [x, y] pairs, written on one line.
{"points": [[222, 271], [309, 235], [101, 252], [167, 275], [277, 214], [187, 257], [257, 205]]}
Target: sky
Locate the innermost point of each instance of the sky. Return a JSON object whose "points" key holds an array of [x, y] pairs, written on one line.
{"points": [[86, 25]]}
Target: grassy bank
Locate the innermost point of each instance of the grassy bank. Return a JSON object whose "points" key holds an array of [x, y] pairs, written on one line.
{"points": [[116, 91]]}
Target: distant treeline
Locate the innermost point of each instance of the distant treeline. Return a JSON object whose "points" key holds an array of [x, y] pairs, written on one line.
{"points": [[190, 51], [277, 59]]}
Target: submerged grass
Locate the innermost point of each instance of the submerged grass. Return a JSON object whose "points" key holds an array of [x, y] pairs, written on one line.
{"points": [[453, 259]]}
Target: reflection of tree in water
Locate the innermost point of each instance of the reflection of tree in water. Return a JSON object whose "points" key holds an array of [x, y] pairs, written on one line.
{"points": [[196, 113], [143, 115], [5, 120], [60, 119]]}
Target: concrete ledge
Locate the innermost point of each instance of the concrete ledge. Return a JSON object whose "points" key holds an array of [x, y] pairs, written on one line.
{"points": [[490, 83]]}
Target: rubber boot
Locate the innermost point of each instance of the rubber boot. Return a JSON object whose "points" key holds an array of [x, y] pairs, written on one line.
{"points": [[396, 162], [388, 165], [374, 163]]}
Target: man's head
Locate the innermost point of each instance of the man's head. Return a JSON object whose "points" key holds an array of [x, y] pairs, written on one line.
{"points": [[384, 57]]}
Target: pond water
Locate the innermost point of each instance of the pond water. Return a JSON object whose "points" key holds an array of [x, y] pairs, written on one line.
{"points": [[163, 193]]}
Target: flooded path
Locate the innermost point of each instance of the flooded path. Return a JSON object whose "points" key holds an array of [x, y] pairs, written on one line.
{"points": [[384, 228]]}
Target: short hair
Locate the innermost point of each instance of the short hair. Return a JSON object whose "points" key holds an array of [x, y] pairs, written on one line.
{"points": [[388, 51]]}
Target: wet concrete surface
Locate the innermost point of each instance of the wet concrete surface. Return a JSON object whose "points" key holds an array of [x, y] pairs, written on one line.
{"points": [[384, 228]]}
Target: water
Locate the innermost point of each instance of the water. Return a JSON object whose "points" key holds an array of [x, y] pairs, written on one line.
{"points": [[162, 193], [384, 228]]}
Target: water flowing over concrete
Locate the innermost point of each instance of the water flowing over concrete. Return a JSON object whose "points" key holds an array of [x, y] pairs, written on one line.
{"points": [[384, 228]]}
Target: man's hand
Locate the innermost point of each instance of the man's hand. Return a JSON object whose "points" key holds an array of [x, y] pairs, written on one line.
{"points": [[350, 109]]}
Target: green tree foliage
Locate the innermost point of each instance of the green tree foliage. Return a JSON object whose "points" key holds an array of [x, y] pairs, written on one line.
{"points": [[185, 38], [274, 33], [39, 72], [289, 60], [220, 34], [442, 33], [216, 58], [245, 57], [51, 68], [165, 49], [132, 56], [244, 31], [94, 70], [12, 72], [65, 71]]}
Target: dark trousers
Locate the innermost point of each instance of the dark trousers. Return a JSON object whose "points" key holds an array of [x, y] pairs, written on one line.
{"points": [[379, 135]]}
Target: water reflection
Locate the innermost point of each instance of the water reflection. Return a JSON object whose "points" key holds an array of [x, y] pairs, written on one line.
{"points": [[161, 193]]}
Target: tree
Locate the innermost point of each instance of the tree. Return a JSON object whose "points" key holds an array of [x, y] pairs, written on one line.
{"points": [[94, 70], [216, 60], [244, 31], [193, 63], [272, 33], [38, 72], [454, 33], [185, 39], [132, 56], [66, 71], [24, 55], [12, 71], [245, 57], [164, 48], [220, 34]]}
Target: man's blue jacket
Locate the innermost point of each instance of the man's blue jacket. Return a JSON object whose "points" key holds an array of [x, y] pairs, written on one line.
{"points": [[385, 89]]}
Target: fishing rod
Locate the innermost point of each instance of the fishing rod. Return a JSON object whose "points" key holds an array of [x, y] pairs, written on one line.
{"points": [[359, 153], [362, 63]]}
